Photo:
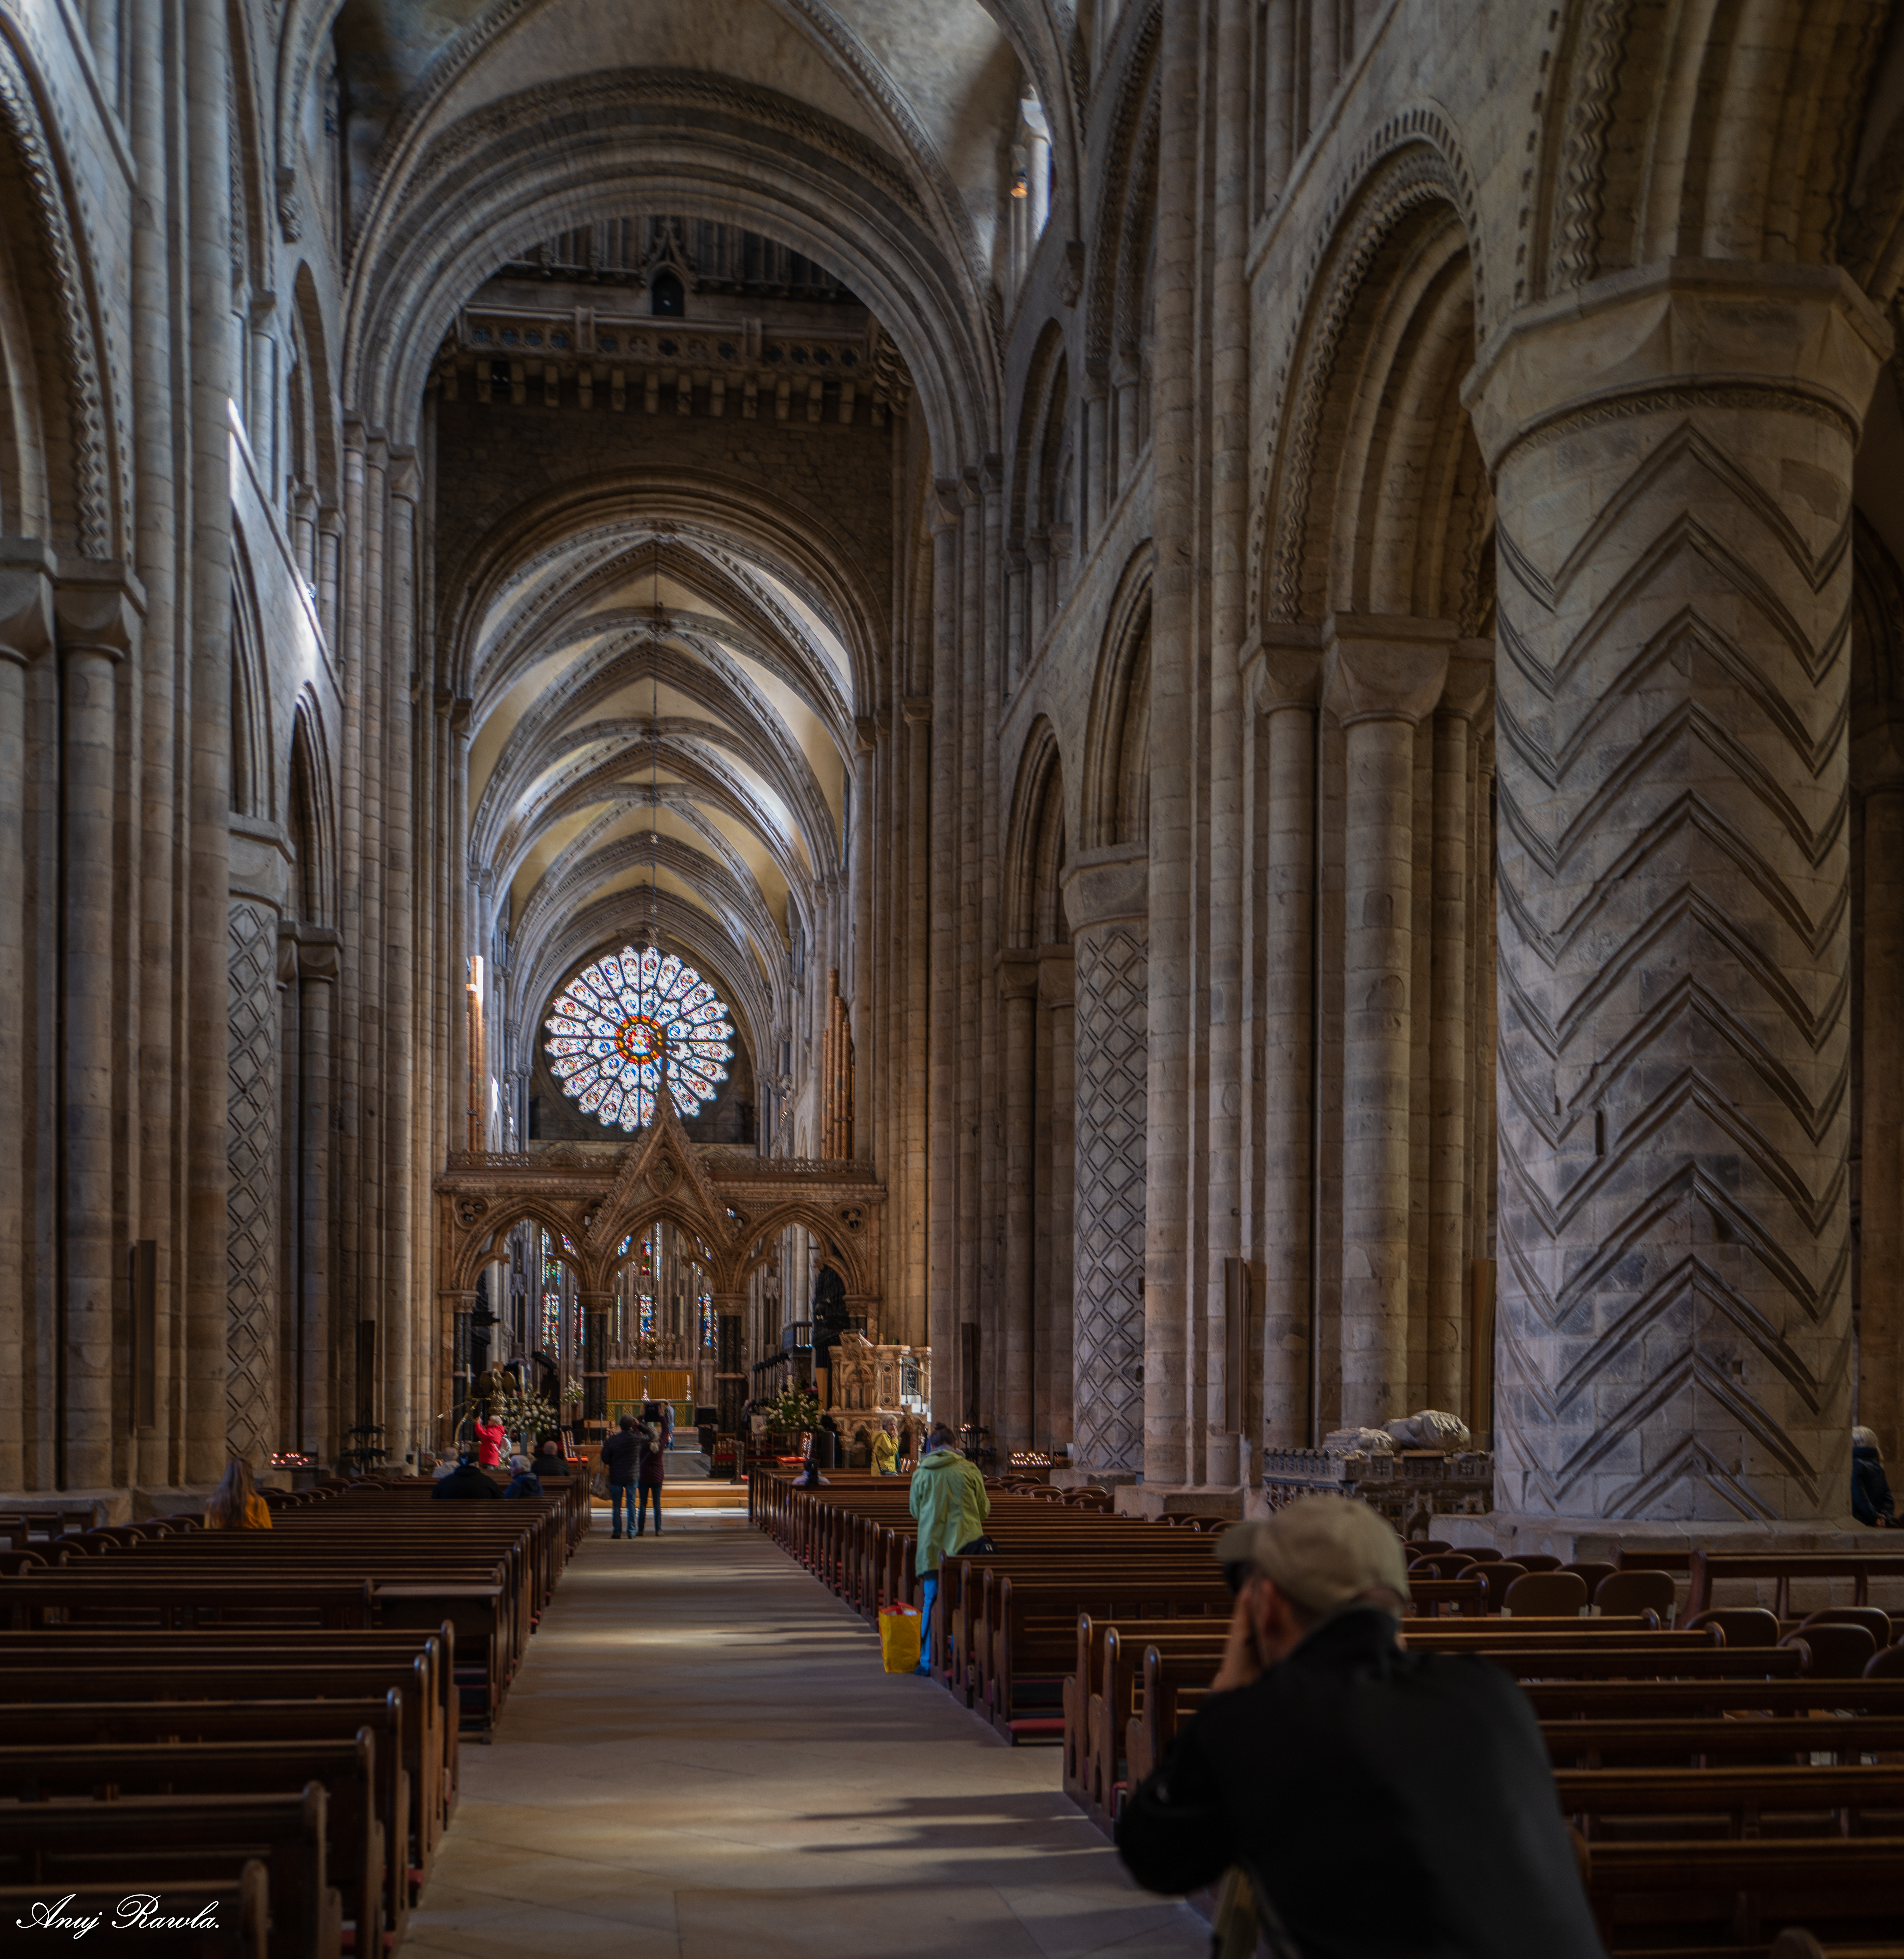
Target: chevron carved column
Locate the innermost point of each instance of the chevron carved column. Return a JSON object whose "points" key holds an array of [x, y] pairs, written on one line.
{"points": [[1672, 452]]}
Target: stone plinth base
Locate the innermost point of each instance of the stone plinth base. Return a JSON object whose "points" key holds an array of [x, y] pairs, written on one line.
{"points": [[1078, 1478], [1571, 1539], [1179, 1499], [108, 1507]]}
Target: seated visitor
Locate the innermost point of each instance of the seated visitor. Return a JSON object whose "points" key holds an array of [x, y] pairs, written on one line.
{"points": [[236, 1504], [465, 1479], [1870, 1488], [523, 1481], [1327, 1752], [948, 1498], [549, 1460]]}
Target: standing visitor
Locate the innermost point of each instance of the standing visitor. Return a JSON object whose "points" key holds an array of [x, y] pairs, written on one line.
{"points": [[654, 1458], [236, 1504], [948, 1498], [488, 1443], [621, 1453], [886, 1447]]}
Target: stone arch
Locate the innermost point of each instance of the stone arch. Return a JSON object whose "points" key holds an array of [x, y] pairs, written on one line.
{"points": [[1401, 245], [467, 1259], [67, 470], [837, 1243], [1123, 162], [1035, 852], [311, 817], [253, 783], [1115, 801], [701, 146]]}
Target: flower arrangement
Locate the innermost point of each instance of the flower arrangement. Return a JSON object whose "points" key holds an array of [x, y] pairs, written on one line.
{"points": [[524, 1411], [797, 1408], [572, 1394]]}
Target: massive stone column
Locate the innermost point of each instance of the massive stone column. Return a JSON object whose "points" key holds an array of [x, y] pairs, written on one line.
{"points": [[1382, 676], [1674, 455], [1106, 901], [1057, 1201]]}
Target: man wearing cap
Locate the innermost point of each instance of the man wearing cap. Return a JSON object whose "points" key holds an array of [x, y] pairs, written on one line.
{"points": [[1382, 1801]]}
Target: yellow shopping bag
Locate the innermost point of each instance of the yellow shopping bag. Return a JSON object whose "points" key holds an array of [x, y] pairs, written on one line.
{"points": [[899, 1638]]}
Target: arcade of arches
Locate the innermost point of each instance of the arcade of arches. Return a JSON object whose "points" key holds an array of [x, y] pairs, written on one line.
{"points": [[1243, 660]]}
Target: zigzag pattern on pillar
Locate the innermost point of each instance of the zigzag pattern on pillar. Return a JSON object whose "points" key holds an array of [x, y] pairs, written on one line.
{"points": [[1673, 1224]]}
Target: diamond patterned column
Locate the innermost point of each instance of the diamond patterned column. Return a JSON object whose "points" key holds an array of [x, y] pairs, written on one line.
{"points": [[252, 1068], [1111, 1061]]}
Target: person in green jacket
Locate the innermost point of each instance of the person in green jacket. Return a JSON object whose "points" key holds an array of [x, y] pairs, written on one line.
{"points": [[948, 1498]]}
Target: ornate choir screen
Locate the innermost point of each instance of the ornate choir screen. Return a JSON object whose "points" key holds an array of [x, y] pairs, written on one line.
{"points": [[663, 1231]]}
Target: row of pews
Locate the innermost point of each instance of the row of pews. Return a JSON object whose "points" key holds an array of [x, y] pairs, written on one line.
{"points": [[1727, 1729], [258, 1730]]}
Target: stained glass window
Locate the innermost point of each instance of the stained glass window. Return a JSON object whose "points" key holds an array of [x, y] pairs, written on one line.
{"points": [[611, 1025]]}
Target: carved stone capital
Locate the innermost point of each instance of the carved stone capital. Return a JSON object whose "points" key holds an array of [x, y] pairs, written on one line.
{"points": [[944, 512], [1468, 690], [1877, 754], [917, 709], [1716, 332], [1109, 886], [27, 571], [97, 606], [865, 734], [1282, 666], [1017, 974], [1385, 669]]}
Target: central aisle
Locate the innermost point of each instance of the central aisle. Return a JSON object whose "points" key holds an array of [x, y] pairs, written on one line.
{"points": [[701, 1757]]}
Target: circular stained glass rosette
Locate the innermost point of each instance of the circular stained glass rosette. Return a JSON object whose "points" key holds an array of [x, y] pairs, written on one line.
{"points": [[610, 1026]]}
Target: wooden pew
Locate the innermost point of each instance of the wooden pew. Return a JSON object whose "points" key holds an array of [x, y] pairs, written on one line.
{"points": [[1663, 1742], [1847, 1800], [246, 1724], [1677, 1895], [119, 1597], [1709, 1567], [173, 1844], [359, 1839]]}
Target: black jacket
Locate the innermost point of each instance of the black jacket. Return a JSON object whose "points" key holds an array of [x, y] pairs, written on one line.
{"points": [[1870, 1488], [466, 1480], [550, 1466], [1385, 1803], [621, 1453]]}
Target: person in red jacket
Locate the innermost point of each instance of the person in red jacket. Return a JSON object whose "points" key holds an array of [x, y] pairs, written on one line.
{"points": [[488, 1443]]}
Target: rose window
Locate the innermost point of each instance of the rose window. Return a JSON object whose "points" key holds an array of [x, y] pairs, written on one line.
{"points": [[615, 1025]]}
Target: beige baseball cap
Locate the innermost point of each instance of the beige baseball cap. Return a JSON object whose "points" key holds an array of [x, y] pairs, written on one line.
{"points": [[1321, 1551]]}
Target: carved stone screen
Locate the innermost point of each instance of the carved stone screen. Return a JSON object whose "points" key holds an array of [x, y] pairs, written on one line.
{"points": [[612, 1025]]}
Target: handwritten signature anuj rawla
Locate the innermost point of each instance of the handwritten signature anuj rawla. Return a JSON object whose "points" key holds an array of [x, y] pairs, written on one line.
{"points": [[139, 1912]]}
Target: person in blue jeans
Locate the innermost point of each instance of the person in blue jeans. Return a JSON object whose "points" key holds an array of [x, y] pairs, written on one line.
{"points": [[621, 1455]]}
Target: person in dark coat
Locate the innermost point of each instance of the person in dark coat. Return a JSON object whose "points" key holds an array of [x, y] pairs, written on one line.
{"points": [[524, 1482], [621, 1453], [654, 1462], [550, 1461], [1870, 1488], [465, 1479], [1327, 1752]]}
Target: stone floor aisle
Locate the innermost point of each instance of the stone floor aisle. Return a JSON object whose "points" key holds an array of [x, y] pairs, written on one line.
{"points": [[702, 1759]]}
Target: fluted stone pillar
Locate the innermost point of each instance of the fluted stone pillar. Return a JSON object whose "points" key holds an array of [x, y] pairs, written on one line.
{"points": [[1880, 1330], [1672, 453], [26, 632], [1284, 689], [97, 628], [1106, 900], [1382, 677]]}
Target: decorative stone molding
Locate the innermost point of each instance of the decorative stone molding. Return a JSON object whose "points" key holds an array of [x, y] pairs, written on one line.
{"points": [[254, 1066], [1385, 669]]}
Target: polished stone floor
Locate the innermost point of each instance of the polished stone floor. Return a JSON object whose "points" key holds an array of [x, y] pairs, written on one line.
{"points": [[702, 1758]]}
